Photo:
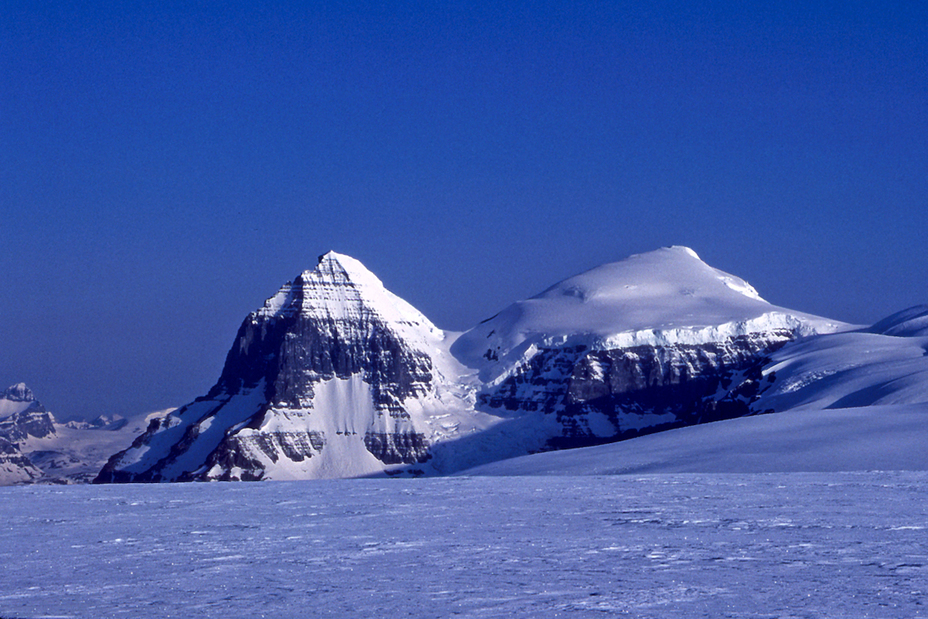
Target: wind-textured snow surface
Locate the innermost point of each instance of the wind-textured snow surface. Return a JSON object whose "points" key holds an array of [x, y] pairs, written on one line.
{"points": [[835, 545]]}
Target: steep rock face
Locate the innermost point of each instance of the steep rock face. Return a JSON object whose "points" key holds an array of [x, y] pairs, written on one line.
{"points": [[599, 396], [20, 426], [317, 383]]}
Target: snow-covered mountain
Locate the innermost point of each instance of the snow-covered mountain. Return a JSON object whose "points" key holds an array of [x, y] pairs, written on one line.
{"points": [[848, 401], [34, 447], [335, 376], [656, 341]]}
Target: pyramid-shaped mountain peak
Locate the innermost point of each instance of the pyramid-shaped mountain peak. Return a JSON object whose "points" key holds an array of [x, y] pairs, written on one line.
{"points": [[339, 288]]}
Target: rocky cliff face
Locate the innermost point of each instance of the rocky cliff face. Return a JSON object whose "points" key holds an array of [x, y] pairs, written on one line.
{"points": [[15, 466], [599, 396], [22, 416], [317, 383]]}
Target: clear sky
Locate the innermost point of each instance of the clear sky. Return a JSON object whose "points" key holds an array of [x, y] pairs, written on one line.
{"points": [[166, 166]]}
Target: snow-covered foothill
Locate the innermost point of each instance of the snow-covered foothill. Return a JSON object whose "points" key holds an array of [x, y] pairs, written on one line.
{"points": [[849, 439]]}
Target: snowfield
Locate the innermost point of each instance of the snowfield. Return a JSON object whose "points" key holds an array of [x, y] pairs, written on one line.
{"points": [[835, 545], [851, 439]]}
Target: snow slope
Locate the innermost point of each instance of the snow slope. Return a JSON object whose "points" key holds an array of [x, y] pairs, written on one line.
{"points": [[854, 439], [844, 370], [661, 297], [911, 322], [835, 545]]}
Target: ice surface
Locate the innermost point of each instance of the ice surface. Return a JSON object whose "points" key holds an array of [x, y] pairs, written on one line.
{"points": [[838, 545]]}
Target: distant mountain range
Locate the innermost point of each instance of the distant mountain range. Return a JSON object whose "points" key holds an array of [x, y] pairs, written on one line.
{"points": [[335, 376], [35, 447]]}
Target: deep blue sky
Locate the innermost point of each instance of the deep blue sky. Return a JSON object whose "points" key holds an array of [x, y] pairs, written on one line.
{"points": [[165, 167]]}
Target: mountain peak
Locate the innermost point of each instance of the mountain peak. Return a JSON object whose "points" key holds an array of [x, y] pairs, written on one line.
{"points": [[18, 393], [670, 278], [335, 268], [18, 399], [342, 288], [665, 293], [684, 250]]}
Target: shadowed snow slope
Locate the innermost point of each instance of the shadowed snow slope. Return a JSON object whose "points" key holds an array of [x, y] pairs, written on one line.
{"points": [[843, 370], [912, 322], [857, 439]]}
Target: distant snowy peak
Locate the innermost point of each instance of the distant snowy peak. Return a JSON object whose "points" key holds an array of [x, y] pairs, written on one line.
{"points": [[18, 399], [658, 297], [18, 393]]}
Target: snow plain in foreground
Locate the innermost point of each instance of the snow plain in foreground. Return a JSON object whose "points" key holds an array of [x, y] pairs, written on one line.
{"points": [[836, 545]]}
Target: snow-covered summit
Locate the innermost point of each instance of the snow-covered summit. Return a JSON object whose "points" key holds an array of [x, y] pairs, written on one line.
{"points": [[18, 393], [335, 376], [341, 288], [16, 399], [663, 296]]}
